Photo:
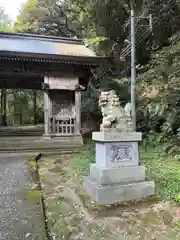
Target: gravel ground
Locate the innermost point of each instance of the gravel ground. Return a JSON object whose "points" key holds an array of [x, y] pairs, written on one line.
{"points": [[20, 217]]}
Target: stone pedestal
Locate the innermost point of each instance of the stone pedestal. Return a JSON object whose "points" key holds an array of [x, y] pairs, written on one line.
{"points": [[117, 176]]}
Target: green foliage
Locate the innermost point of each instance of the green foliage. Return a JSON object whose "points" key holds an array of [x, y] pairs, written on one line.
{"points": [[5, 28], [45, 17], [33, 164], [160, 166], [21, 108], [90, 108], [105, 25], [81, 161], [5, 23], [159, 90], [26, 19]]}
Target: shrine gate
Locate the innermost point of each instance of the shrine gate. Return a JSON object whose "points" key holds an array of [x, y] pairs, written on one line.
{"points": [[59, 66]]}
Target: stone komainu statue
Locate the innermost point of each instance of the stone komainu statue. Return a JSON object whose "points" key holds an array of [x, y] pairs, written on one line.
{"points": [[115, 117]]}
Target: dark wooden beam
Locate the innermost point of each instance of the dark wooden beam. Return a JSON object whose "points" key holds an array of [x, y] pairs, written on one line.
{"points": [[24, 68], [22, 83], [30, 75]]}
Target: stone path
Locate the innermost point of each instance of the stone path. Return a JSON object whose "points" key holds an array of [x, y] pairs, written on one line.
{"points": [[20, 217]]}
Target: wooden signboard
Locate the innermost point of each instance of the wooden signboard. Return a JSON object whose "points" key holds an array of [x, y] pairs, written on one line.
{"points": [[65, 83]]}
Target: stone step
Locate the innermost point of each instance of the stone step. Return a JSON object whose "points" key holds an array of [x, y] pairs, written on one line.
{"points": [[34, 144], [111, 194], [43, 151], [31, 154], [13, 134], [37, 144], [28, 130], [16, 141], [41, 148]]}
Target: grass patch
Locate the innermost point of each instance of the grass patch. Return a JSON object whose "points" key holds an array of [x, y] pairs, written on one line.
{"points": [[81, 162], [32, 163], [72, 215], [162, 167]]}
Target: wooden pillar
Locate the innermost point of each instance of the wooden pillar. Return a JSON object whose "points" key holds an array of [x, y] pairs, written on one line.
{"points": [[78, 110], [46, 109], [1, 106], [34, 107], [4, 107]]}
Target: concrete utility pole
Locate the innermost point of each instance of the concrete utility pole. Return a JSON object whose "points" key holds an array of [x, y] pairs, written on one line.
{"points": [[133, 69], [133, 62]]}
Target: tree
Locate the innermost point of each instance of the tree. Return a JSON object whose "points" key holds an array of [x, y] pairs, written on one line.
{"points": [[158, 89], [5, 23], [104, 25], [45, 17]]}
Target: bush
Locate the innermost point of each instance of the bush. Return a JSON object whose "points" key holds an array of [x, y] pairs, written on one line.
{"points": [[159, 93], [90, 108]]}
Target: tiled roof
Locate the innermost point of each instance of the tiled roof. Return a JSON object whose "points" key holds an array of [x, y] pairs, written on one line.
{"points": [[37, 44]]}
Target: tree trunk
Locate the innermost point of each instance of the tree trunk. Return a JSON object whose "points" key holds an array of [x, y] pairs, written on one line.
{"points": [[20, 109], [21, 116], [34, 106], [4, 107], [1, 113], [14, 108]]}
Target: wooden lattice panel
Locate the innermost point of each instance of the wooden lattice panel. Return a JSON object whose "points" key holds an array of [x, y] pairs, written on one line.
{"points": [[63, 114], [62, 104], [63, 126]]}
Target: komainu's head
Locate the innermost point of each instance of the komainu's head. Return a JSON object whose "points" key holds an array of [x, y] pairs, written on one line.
{"points": [[109, 97]]}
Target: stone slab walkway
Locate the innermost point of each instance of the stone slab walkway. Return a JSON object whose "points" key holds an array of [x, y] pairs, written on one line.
{"points": [[20, 217]]}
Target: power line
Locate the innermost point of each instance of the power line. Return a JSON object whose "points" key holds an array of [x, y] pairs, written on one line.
{"points": [[147, 31], [126, 51]]}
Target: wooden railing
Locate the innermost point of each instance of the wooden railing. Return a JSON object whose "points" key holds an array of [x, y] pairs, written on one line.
{"points": [[62, 125]]}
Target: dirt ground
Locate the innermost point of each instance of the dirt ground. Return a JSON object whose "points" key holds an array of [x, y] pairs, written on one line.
{"points": [[72, 216]]}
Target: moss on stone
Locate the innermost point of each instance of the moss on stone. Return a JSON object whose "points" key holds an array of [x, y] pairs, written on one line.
{"points": [[34, 195], [33, 164]]}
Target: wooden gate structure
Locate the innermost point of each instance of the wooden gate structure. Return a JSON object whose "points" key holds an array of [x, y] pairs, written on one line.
{"points": [[59, 66]]}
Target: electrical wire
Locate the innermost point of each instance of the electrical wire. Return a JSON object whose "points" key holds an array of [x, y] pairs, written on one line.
{"points": [[159, 19], [127, 50]]}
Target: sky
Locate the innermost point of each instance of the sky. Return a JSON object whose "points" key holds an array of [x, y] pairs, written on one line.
{"points": [[12, 7]]}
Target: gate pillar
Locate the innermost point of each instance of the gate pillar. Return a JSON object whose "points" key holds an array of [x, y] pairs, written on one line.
{"points": [[78, 110], [47, 108], [62, 109]]}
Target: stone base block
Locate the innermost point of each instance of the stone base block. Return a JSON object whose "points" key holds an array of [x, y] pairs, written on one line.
{"points": [[68, 139], [111, 194], [117, 154], [117, 136], [117, 175]]}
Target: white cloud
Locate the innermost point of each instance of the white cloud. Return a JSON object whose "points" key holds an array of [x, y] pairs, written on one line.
{"points": [[12, 7]]}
